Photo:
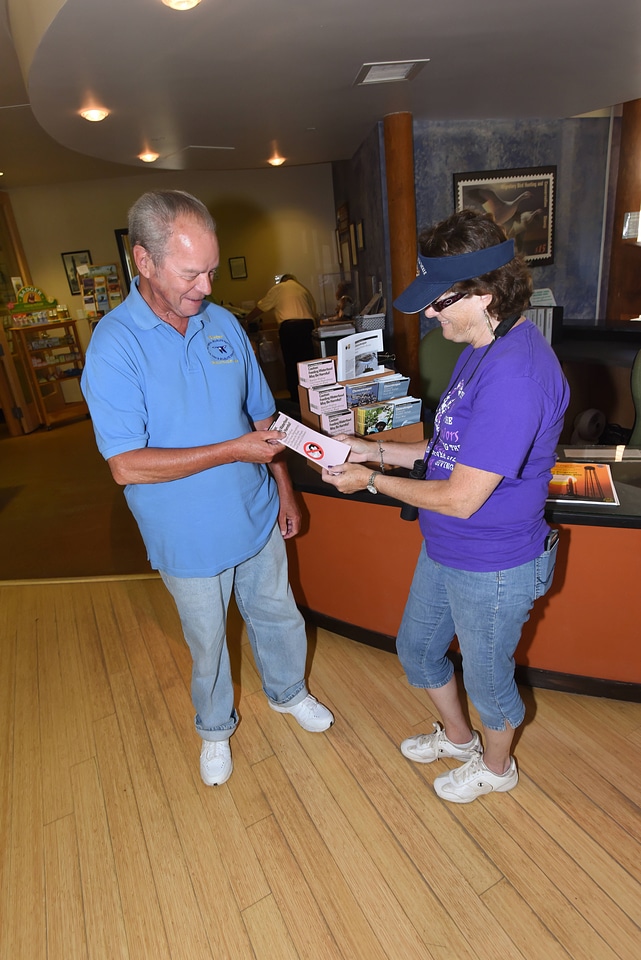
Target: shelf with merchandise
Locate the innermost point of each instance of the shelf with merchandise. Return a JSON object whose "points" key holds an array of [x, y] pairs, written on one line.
{"points": [[53, 360]]}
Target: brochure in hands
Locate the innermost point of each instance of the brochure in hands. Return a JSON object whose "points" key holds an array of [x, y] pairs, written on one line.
{"points": [[318, 448]]}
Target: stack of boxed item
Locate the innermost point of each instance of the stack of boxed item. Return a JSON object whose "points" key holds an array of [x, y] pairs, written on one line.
{"points": [[369, 403]]}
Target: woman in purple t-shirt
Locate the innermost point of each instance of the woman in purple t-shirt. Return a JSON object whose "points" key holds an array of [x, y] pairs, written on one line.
{"points": [[488, 552]]}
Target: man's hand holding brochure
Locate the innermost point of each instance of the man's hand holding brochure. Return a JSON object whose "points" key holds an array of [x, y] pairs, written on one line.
{"points": [[317, 447]]}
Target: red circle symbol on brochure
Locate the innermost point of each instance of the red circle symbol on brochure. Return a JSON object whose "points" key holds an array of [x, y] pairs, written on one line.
{"points": [[313, 451]]}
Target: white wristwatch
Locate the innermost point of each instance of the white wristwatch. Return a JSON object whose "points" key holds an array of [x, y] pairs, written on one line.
{"points": [[371, 486]]}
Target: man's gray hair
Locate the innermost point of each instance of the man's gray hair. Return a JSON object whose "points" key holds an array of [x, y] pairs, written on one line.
{"points": [[152, 219]]}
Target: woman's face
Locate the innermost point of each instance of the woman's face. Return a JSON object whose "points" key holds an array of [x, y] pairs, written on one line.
{"points": [[464, 321]]}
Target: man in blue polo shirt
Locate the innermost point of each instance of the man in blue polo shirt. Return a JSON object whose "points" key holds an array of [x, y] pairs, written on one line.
{"points": [[181, 413]]}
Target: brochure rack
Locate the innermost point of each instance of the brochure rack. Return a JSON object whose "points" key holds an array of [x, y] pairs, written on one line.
{"points": [[410, 432], [100, 287]]}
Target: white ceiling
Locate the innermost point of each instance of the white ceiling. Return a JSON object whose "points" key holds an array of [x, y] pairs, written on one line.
{"points": [[265, 76]]}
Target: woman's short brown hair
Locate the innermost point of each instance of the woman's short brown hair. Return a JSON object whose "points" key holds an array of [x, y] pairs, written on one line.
{"points": [[510, 286]]}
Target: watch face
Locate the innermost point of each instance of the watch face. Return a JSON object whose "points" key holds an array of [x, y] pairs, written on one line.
{"points": [[370, 484]]}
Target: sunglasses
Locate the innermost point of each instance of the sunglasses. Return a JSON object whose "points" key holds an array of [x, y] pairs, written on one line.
{"points": [[444, 302]]}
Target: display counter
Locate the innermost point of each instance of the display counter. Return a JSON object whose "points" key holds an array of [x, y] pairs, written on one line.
{"points": [[352, 566]]}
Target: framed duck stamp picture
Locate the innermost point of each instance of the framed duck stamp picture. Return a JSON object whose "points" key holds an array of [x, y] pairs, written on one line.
{"points": [[521, 201]]}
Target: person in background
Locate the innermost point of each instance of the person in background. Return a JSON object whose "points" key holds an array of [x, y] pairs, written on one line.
{"points": [[181, 413], [295, 312], [488, 552], [345, 306]]}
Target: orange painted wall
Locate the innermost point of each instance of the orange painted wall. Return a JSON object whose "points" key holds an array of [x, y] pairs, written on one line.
{"points": [[355, 561]]}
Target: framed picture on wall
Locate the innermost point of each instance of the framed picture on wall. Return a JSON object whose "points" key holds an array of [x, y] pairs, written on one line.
{"points": [[73, 260], [522, 201], [127, 262], [345, 259], [237, 268], [342, 218], [352, 242]]}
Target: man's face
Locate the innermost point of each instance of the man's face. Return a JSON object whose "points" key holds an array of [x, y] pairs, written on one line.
{"points": [[177, 286]]}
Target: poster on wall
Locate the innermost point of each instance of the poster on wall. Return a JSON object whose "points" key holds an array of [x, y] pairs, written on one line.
{"points": [[521, 201]]}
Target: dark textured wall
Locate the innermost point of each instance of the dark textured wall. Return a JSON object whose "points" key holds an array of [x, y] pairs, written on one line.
{"points": [[360, 182], [578, 149]]}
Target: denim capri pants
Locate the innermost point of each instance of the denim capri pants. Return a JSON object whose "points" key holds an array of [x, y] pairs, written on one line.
{"points": [[486, 611]]}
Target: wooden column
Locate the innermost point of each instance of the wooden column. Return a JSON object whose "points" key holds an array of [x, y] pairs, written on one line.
{"points": [[401, 206], [624, 287]]}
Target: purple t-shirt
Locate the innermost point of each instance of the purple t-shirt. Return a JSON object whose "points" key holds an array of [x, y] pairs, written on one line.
{"points": [[503, 412]]}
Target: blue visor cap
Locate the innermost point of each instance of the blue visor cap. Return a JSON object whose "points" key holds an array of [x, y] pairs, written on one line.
{"points": [[435, 275]]}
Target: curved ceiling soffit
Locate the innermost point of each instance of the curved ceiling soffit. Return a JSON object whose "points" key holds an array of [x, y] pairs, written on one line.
{"points": [[135, 61], [149, 89], [29, 21], [53, 42]]}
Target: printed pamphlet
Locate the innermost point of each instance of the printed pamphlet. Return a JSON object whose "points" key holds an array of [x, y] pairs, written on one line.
{"points": [[373, 418], [340, 422], [358, 355], [393, 386], [309, 443], [316, 373], [326, 399], [406, 410], [582, 483], [357, 394]]}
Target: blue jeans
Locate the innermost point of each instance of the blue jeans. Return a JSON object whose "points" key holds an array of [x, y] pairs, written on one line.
{"points": [[486, 611], [275, 628]]}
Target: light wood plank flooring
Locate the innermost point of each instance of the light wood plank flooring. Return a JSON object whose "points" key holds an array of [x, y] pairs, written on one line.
{"points": [[321, 845]]}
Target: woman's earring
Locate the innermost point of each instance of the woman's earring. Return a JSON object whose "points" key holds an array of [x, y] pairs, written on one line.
{"points": [[489, 323]]}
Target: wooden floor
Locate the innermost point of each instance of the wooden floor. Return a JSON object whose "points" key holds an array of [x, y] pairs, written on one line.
{"points": [[321, 845]]}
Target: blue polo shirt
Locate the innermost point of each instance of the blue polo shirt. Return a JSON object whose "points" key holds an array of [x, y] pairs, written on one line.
{"points": [[148, 386]]}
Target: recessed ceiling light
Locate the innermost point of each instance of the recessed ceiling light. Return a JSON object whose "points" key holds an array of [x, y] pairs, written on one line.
{"points": [[389, 72], [94, 114], [181, 4], [276, 161], [148, 156]]}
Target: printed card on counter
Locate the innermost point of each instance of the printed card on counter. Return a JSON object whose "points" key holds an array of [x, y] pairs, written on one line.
{"points": [[582, 483], [340, 422], [358, 355], [356, 394], [316, 373], [315, 446], [327, 399], [393, 386]]}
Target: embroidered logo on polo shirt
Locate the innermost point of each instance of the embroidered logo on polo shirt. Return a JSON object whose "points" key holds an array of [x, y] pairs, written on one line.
{"points": [[220, 350]]}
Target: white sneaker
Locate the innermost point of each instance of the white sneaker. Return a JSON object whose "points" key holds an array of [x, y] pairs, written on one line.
{"points": [[428, 747], [309, 713], [216, 763], [473, 780]]}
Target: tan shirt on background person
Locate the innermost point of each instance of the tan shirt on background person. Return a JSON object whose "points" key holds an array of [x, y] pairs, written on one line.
{"points": [[289, 300]]}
